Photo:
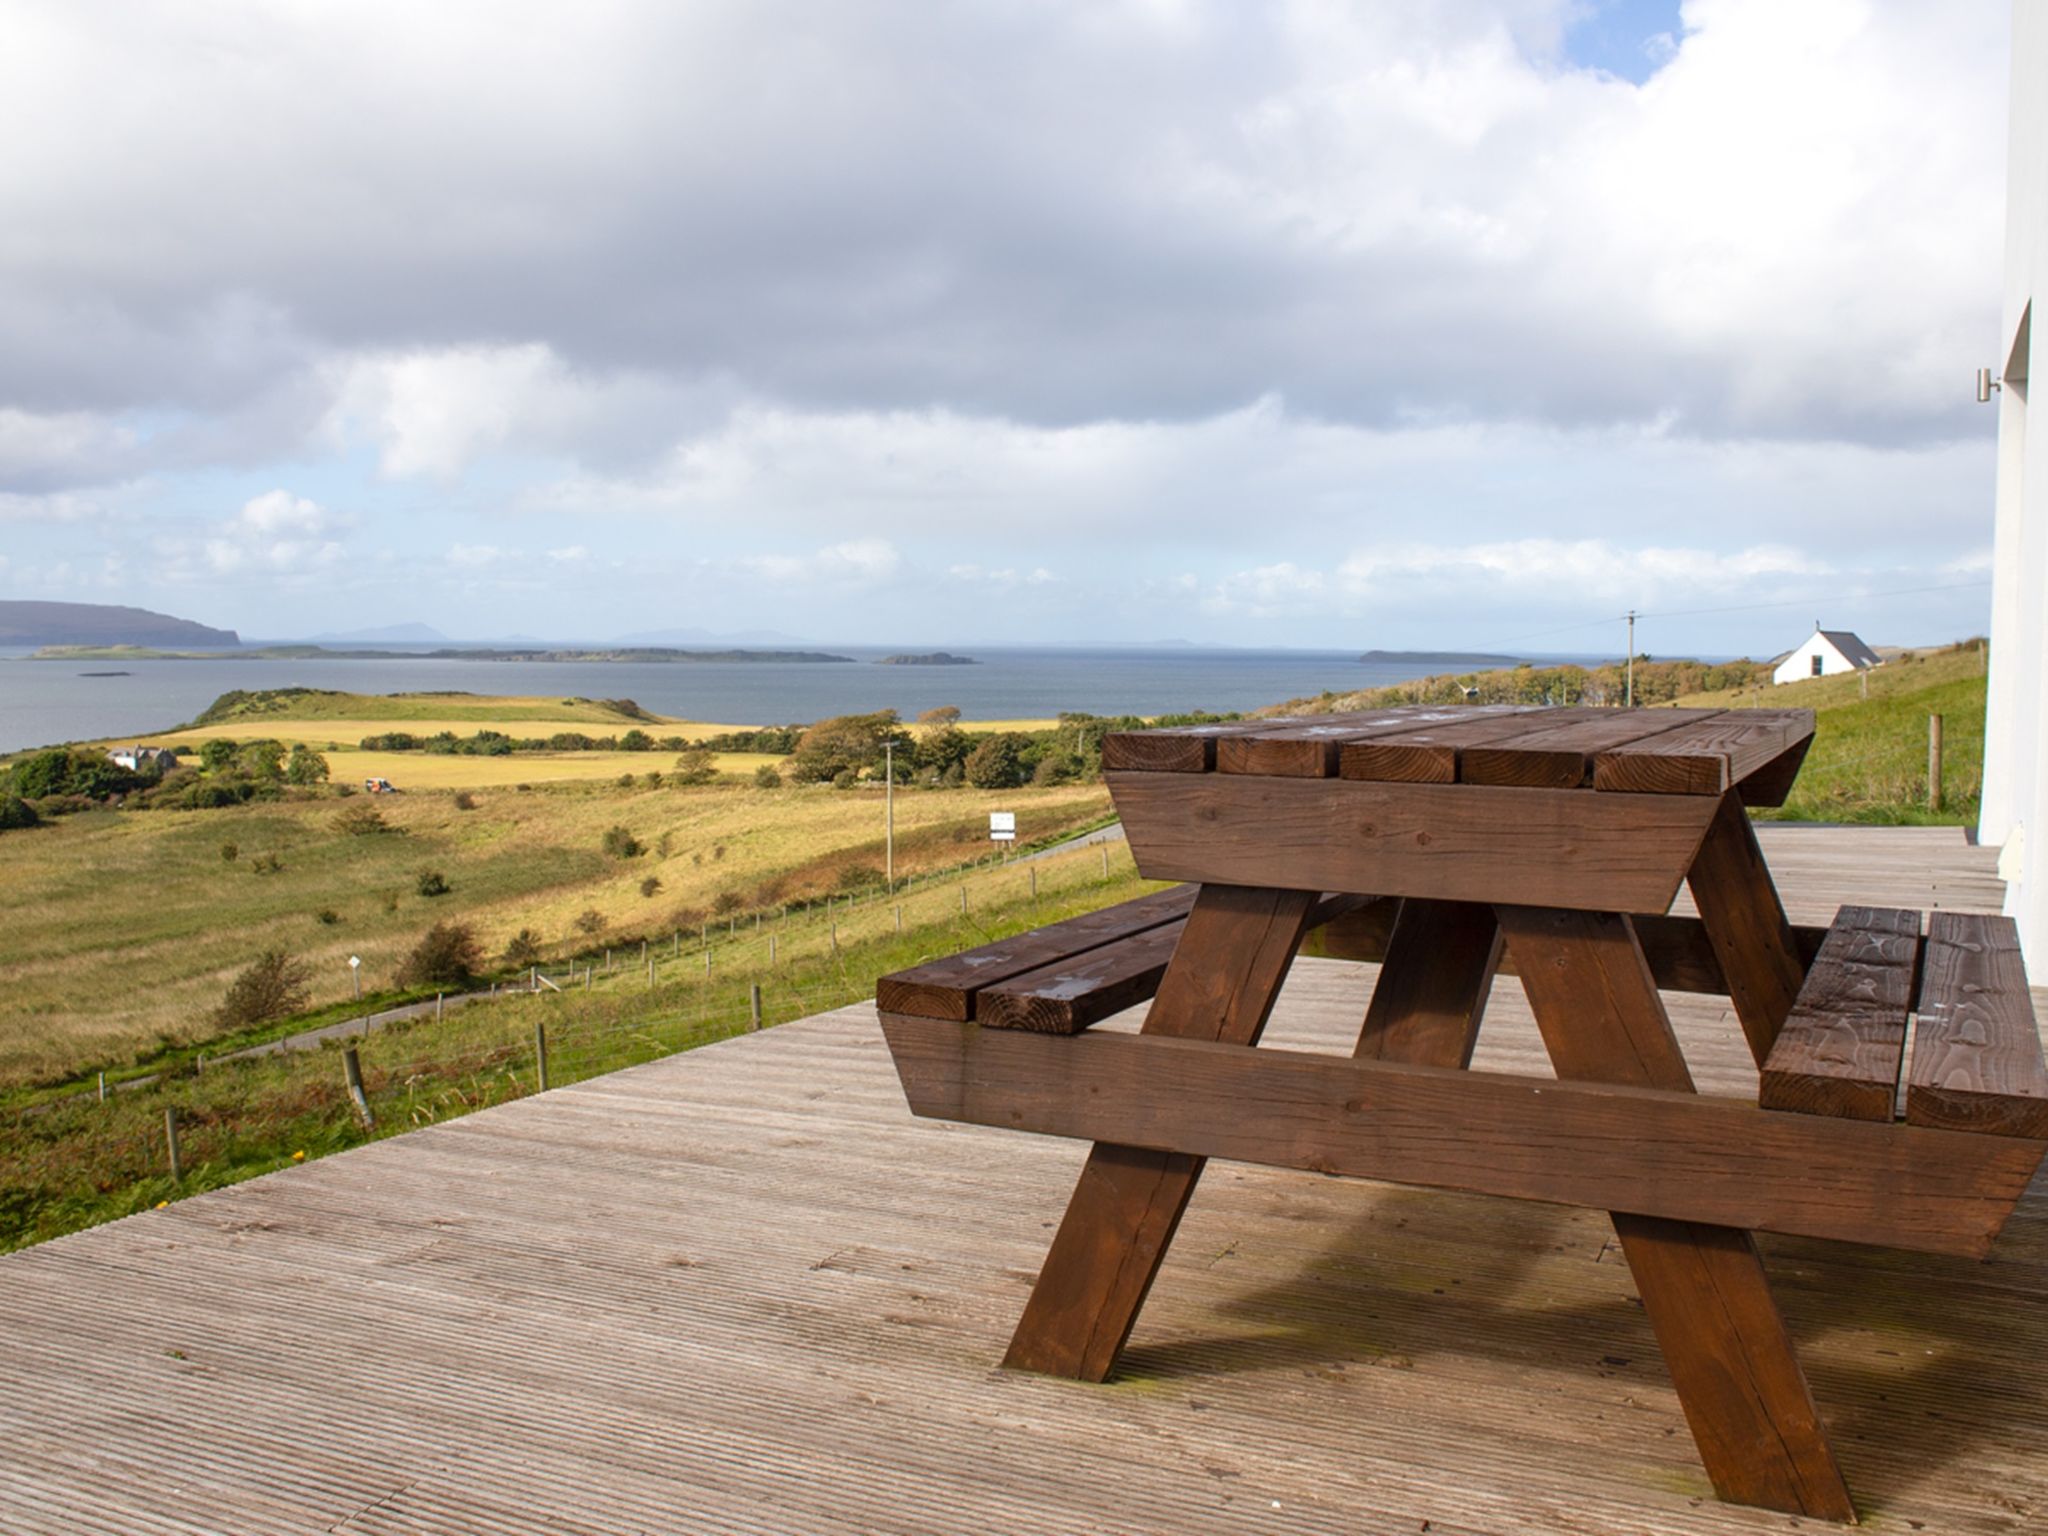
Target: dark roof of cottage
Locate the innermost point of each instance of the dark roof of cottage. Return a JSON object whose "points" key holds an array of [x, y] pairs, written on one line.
{"points": [[1853, 650]]}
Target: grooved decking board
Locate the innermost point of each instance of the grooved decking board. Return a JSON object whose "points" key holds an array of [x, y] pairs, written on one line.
{"points": [[1840, 1049], [742, 1290], [1704, 757]]}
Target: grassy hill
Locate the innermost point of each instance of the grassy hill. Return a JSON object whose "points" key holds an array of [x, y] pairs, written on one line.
{"points": [[1869, 756]]}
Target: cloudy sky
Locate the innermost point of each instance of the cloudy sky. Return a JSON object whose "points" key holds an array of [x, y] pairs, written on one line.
{"points": [[1467, 323]]}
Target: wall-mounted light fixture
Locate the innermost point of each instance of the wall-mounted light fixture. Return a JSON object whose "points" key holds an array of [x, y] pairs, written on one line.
{"points": [[1986, 384]]}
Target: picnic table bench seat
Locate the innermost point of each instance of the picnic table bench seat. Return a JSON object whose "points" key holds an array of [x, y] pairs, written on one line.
{"points": [[1976, 1062], [1060, 979]]}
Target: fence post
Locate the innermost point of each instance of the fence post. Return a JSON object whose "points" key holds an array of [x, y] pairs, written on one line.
{"points": [[835, 935], [103, 1087], [754, 1003], [771, 949], [1934, 762], [899, 917], [1034, 882], [650, 973], [540, 1053], [1105, 858], [437, 1007], [707, 965], [352, 1074], [533, 978], [171, 1144], [963, 901], [675, 947]]}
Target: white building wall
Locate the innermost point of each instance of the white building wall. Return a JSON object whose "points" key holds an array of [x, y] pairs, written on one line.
{"points": [[2015, 807], [1800, 663]]}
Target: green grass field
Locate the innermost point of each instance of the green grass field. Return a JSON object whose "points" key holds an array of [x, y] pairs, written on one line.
{"points": [[1868, 762], [125, 928]]}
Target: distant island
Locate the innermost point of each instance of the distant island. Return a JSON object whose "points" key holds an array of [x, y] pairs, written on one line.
{"points": [[446, 653], [101, 624], [929, 659], [1446, 658]]}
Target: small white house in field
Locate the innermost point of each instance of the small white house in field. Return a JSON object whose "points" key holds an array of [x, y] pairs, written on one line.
{"points": [[1829, 652], [138, 759]]}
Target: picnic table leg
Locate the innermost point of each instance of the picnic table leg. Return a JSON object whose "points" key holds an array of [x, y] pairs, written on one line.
{"points": [[1220, 985], [1434, 982], [1704, 1287], [1745, 922]]}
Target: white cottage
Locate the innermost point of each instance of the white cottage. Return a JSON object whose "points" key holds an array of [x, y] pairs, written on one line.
{"points": [[1829, 652]]}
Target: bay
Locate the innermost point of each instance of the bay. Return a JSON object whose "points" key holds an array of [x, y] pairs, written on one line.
{"points": [[44, 702]]}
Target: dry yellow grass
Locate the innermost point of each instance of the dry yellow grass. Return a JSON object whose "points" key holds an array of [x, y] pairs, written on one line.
{"points": [[125, 928], [427, 770], [349, 730]]}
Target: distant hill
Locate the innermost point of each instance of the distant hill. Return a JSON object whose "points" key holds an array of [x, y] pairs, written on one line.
{"points": [[928, 659], [23, 623], [391, 634]]}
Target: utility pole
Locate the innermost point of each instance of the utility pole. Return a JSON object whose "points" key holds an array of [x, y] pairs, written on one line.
{"points": [[889, 810], [1630, 699]]}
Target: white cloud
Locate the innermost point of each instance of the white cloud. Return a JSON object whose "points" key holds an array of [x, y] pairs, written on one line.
{"points": [[477, 557], [573, 554], [854, 563], [275, 532]]}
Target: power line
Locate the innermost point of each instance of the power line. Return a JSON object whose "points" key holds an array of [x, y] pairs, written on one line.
{"points": [[1688, 613]]}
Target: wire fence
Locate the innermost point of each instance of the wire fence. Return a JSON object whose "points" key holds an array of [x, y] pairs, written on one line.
{"points": [[69, 1163]]}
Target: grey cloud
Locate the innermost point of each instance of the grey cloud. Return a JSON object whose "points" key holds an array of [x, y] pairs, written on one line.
{"points": [[1049, 214]]}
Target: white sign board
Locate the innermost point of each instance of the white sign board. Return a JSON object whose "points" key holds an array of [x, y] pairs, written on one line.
{"points": [[354, 961], [1002, 826]]}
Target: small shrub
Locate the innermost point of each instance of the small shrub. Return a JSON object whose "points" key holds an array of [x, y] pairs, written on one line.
{"points": [[327, 917], [431, 883], [591, 922], [229, 853], [464, 800], [625, 781], [846, 778], [524, 789], [858, 877], [16, 813], [621, 844], [696, 766], [360, 821], [664, 843], [651, 886], [653, 778], [447, 954], [765, 777], [727, 901], [265, 864], [717, 852], [273, 986], [522, 950]]}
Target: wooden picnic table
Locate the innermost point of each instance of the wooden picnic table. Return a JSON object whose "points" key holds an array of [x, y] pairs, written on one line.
{"points": [[1453, 844]]}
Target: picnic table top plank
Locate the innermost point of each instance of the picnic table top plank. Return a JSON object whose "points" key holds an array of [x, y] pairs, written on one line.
{"points": [[1560, 755], [1308, 749], [1704, 756], [1428, 753]]}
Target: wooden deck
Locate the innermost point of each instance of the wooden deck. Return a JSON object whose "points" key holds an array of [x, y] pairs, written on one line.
{"points": [[741, 1290]]}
